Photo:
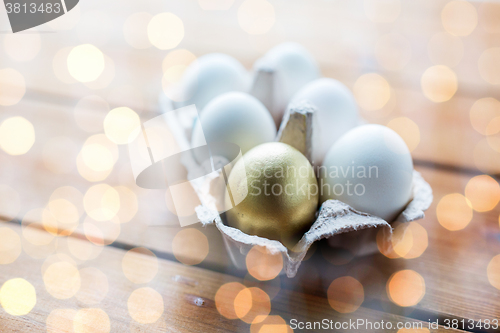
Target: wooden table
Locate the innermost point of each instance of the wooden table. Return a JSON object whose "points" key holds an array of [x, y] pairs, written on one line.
{"points": [[453, 266]]}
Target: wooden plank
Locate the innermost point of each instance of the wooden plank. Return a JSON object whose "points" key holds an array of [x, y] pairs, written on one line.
{"points": [[188, 295], [468, 251]]}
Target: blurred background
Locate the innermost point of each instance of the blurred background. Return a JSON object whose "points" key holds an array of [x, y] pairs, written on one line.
{"points": [[428, 69]]}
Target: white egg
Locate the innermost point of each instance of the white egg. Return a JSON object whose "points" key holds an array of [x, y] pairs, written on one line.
{"points": [[210, 76], [337, 112], [236, 118], [369, 168], [294, 67]]}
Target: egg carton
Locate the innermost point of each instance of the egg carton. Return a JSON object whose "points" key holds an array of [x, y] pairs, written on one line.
{"points": [[343, 226]]}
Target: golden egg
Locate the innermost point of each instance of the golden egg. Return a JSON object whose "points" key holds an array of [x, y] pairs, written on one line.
{"points": [[282, 196]]}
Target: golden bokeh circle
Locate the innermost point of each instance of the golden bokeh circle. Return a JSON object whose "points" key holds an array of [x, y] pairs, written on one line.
{"points": [[101, 202], [493, 271], [483, 193], [165, 31], [122, 125], [190, 246], [263, 265], [258, 303], [225, 299], [454, 211], [407, 129], [439, 83], [91, 320], [85, 63], [459, 17], [17, 135], [145, 305], [17, 297], [346, 294], [372, 91], [406, 288], [62, 280], [60, 320], [489, 65], [484, 112], [140, 265], [94, 286]]}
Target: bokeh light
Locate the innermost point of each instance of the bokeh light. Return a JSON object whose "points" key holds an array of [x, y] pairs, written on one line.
{"points": [[89, 320], [252, 305], [420, 240], [346, 294], [225, 297], [372, 91], [82, 249], [145, 305], [22, 47], [454, 211], [94, 286], [270, 324], [402, 240], [60, 320], [101, 202], [122, 125], [489, 12], [165, 31], [140, 265], [484, 112], [190, 246], [97, 158], [106, 77], [256, 17], [85, 63], [62, 280], [489, 65], [393, 51], [101, 233], [486, 156], [17, 297], [382, 11], [493, 272], [135, 30], [439, 83], [243, 303], [12, 86], [406, 288], [263, 265], [17, 135], [483, 193], [407, 129], [445, 49], [10, 246], [63, 211], [459, 17]]}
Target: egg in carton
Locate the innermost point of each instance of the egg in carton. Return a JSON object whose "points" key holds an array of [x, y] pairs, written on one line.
{"points": [[343, 226]]}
